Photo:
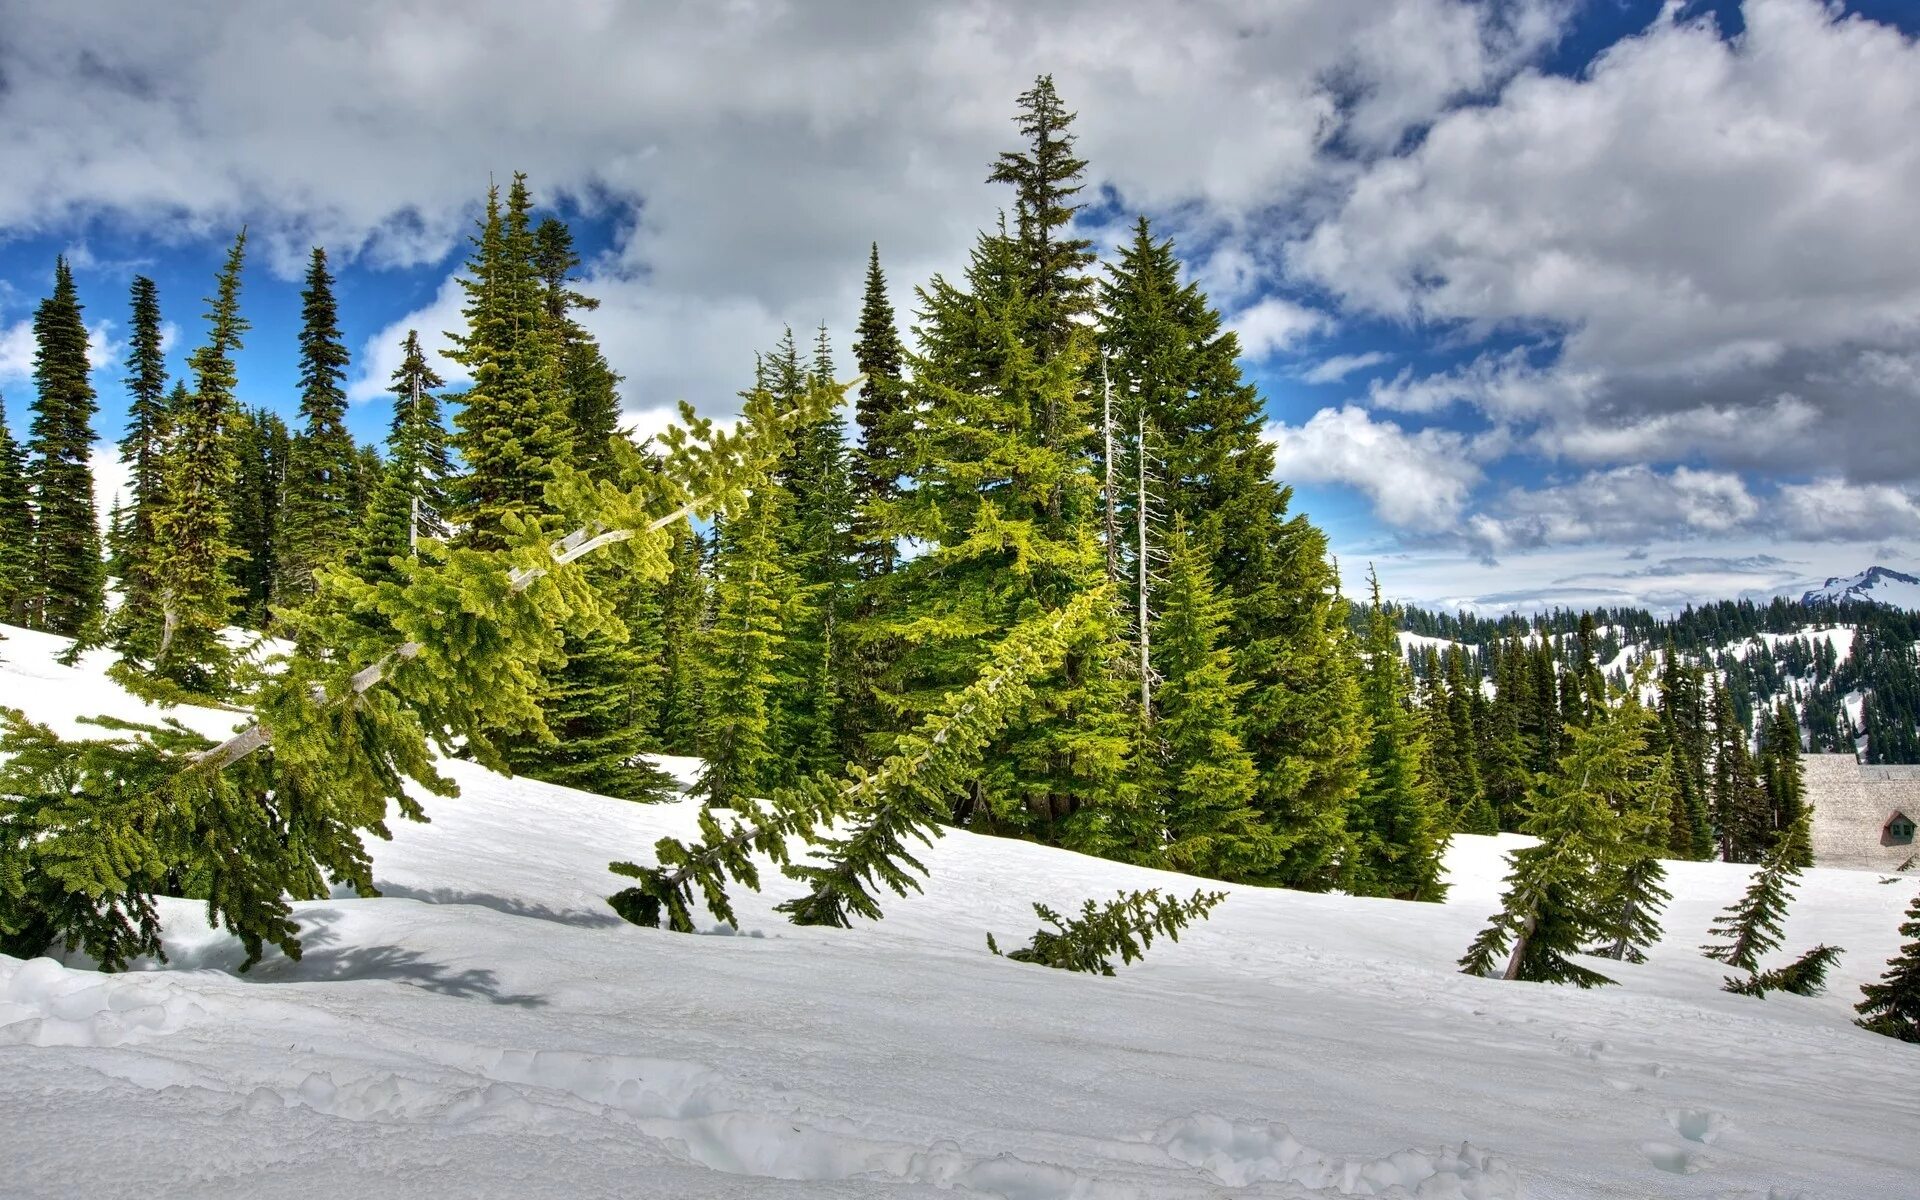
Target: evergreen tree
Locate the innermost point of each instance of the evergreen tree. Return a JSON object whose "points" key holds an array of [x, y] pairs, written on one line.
{"points": [[1507, 773], [513, 425], [1782, 775], [316, 523], [1741, 815], [1172, 367], [411, 498], [1196, 769], [69, 578], [1397, 823], [143, 450], [1892, 1006], [592, 386], [1046, 177], [261, 447], [16, 529], [1556, 901], [884, 417], [192, 528], [1634, 875], [1750, 927], [749, 585], [683, 618]]}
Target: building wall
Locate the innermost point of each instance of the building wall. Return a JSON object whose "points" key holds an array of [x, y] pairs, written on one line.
{"points": [[1851, 805]]}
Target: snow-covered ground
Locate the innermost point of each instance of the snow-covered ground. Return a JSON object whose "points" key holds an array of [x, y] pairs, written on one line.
{"points": [[488, 1028]]}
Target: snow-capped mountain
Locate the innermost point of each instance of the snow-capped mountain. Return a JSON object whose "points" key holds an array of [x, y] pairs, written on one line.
{"points": [[1880, 585]]}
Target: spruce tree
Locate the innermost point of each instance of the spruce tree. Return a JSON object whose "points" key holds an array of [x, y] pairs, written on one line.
{"points": [[1740, 807], [316, 524], [749, 586], [1506, 775], [1633, 875], [1892, 1006], [410, 500], [1046, 176], [1751, 926], [192, 527], [16, 529], [1556, 901], [69, 578], [683, 618], [1782, 774], [1170, 359], [1397, 823], [883, 415], [592, 386], [143, 450], [261, 448], [1196, 770], [513, 423]]}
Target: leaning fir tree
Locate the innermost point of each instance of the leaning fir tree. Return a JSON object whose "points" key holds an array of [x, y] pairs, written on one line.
{"points": [[1892, 1006], [69, 579]]}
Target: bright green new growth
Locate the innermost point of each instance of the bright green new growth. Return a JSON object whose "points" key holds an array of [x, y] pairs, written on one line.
{"points": [[901, 798], [1124, 926], [446, 655]]}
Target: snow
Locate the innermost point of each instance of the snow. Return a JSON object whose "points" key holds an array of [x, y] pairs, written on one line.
{"points": [[488, 1028], [1878, 584]]}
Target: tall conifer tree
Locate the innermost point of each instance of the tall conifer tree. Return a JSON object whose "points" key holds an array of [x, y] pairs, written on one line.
{"points": [[262, 448], [1892, 1006], [69, 579], [16, 528], [513, 424], [592, 386], [143, 451], [1046, 176], [883, 415], [1398, 829], [191, 529], [410, 500], [316, 524]]}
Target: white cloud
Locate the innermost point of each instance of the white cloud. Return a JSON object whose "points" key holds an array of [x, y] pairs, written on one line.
{"points": [[1830, 509], [1758, 433], [16, 351], [1625, 505], [1416, 480], [1338, 367], [1274, 325], [751, 150], [1503, 386]]}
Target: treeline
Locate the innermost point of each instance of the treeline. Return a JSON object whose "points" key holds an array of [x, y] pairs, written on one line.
{"points": [[1051, 426]]}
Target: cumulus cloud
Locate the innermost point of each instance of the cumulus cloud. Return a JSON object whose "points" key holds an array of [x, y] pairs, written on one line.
{"points": [[1416, 480], [748, 151], [1834, 509], [1275, 325], [1622, 505], [1504, 386], [1338, 367]]}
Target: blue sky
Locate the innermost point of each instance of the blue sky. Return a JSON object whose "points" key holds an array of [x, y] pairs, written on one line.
{"points": [[1552, 302]]}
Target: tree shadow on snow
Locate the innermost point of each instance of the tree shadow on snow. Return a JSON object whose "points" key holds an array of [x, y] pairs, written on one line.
{"points": [[579, 917], [326, 959]]}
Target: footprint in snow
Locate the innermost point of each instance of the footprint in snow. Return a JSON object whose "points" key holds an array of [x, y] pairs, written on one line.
{"points": [[1701, 1125], [1677, 1159]]}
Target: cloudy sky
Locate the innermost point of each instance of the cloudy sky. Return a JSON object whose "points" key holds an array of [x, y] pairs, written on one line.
{"points": [[1552, 301]]}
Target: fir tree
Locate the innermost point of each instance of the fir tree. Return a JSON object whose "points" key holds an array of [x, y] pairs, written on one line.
{"points": [[683, 617], [1750, 927], [1555, 901], [1172, 366], [746, 634], [316, 524], [1740, 809], [883, 415], [1046, 177], [513, 425], [1398, 832], [1633, 875], [261, 448], [192, 528], [1196, 770], [16, 529], [1892, 1006], [411, 498], [1781, 773], [69, 579], [143, 450], [592, 386], [1124, 926], [1804, 976]]}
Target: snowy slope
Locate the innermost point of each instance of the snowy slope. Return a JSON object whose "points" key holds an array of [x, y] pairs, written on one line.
{"points": [[489, 1029], [1880, 585]]}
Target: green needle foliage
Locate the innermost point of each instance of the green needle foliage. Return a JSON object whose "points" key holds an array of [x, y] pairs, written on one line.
{"points": [[906, 796], [1805, 976], [316, 523], [442, 658], [1751, 927], [68, 577], [1123, 926], [1892, 1006], [16, 529]]}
